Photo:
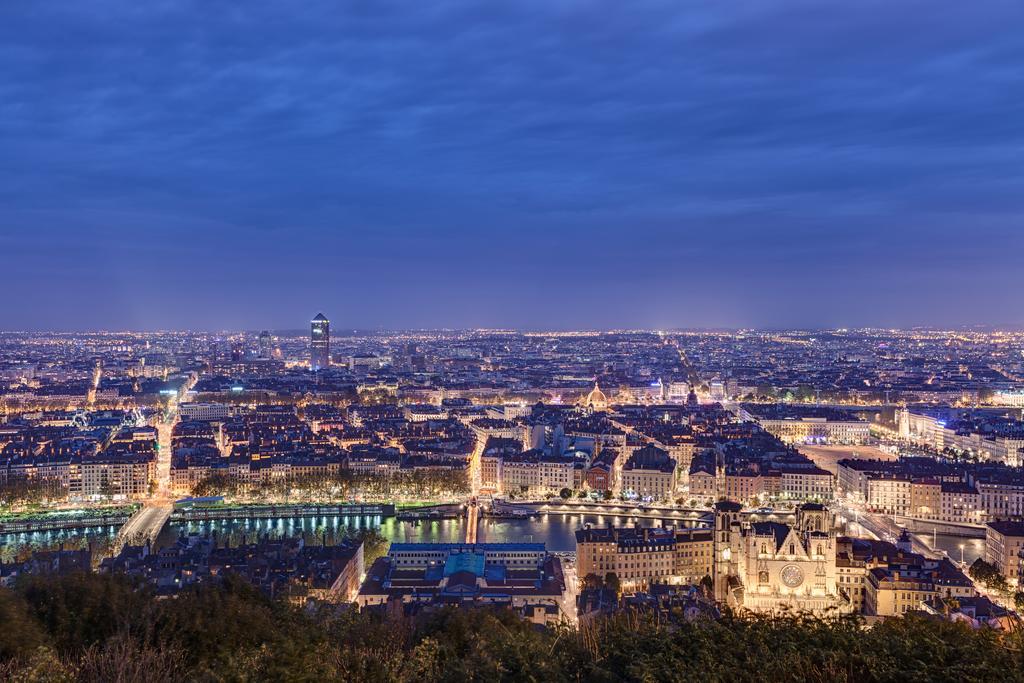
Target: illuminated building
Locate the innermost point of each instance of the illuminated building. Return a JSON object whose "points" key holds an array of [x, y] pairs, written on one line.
{"points": [[596, 400], [895, 590], [204, 411], [320, 342], [988, 437], [802, 424], [517, 576], [771, 566], [535, 473], [1004, 541], [266, 345], [650, 473], [640, 556]]}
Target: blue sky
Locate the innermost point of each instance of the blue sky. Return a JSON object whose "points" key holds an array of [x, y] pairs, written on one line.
{"points": [[538, 164]]}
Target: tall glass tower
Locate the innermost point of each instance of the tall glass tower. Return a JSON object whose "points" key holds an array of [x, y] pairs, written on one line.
{"points": [[320, 342]]}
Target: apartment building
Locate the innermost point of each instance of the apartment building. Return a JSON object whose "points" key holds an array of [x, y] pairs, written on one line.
{"points": [[640, 556], [650, 473], [1004, 541]]}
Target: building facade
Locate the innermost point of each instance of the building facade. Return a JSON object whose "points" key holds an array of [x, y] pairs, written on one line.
{"points": [[641, 556], [771, 566], [320, 343], [1004, 541]]}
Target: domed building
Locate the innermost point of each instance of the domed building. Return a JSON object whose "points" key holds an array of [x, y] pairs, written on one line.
{"points": [[596, 400]]}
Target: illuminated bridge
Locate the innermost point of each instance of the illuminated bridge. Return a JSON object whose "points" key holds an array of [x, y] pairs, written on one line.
{"points": [[145, 525]]}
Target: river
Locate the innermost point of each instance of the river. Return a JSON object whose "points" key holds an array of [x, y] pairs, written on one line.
{"points": [[557, 530]]}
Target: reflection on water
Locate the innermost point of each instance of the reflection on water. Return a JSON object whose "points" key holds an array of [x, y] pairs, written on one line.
{"points": [[99, 538], [558, 530], [973, 547]]}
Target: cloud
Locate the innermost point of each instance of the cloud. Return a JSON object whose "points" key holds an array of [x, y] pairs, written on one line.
{"points": [[611, 150]]}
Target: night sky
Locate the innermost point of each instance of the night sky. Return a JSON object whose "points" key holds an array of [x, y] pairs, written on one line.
{"points": [[539, 164]]}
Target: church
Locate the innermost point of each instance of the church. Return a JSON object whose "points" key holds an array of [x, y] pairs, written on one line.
{"points": [[771, 566], [596, 399]]}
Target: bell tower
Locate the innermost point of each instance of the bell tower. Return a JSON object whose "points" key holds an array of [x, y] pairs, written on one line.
{"points": [[727, 547], [813, 517]]}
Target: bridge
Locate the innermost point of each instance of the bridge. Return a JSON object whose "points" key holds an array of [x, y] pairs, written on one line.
{"points": [[571, 506], [145, 525], [927, 526]]}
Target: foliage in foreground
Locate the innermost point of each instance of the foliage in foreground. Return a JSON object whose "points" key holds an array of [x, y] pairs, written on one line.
{"points": [[99, 628]]}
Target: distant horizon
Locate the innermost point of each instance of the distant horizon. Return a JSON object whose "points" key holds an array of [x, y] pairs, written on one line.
{"points": [[341, 331]]}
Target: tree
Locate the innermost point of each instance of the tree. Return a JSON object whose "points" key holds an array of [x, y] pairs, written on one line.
{"points": [[375, 545], [611, 580], [565, 494], [804, 393], [19, 491], [987, 574], [592, 582], [982, 571], [214, 484], [104, 628], [1018, 601]]}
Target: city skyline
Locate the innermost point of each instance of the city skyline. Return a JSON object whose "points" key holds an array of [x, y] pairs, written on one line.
{"points": [[559, 479], [552, 165], [547, 340], [298, 331]]}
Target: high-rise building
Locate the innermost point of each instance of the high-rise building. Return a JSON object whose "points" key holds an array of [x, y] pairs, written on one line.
{"points": [[320, 342], [266, 345]]}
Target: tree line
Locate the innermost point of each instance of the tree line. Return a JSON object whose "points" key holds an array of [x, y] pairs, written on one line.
{"points": [[102, 628], [423, 484]]}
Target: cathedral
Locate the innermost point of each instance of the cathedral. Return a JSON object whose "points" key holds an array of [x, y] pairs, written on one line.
{"points": [[770, 566]]}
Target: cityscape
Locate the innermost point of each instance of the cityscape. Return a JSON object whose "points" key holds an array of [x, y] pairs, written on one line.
{"points": [[562, 476], [543, 341]]}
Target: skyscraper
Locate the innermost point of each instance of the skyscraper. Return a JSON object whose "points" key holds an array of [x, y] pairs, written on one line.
{"points": [[320, 342], [266, 345]]}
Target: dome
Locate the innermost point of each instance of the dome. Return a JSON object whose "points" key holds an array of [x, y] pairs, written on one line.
{"points": [[596, 398]]}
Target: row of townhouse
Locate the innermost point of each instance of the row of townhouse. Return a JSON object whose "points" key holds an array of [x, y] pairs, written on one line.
{"points": [[757, 482], [189, 467], [884, 580], [959, 496], [641, 556], [117, 475], [534, 473], [989, 438]]}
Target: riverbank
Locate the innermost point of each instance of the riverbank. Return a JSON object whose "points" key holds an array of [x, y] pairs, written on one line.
{"points": [[198, 514], [66, 519]]}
